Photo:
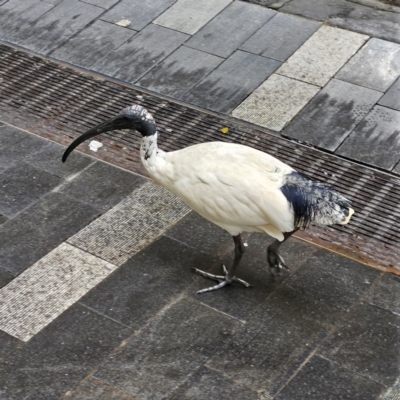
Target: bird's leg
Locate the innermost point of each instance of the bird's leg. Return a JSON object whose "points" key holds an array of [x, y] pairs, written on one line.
{"points": [[275, 261], [229, 276]]}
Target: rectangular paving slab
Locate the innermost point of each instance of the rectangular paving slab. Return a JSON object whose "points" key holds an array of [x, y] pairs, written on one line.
{"points": [[57, 25], [164, 354], [228, 85], [392, 97], [93, 43], [270, 106], [188, 16], [42, 292], [332, 114], [386, 293], [276, 39], [179, 72], [322, 55], [102, 3], [376, 65], [140, 53], [136, 14], [376, 140], [221, 36]]}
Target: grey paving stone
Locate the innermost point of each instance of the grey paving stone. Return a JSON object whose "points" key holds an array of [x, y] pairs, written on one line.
{"points": [[322, 55], [321, 378], [5, 277], [284, 330], [386, 293], [150, 46], [102, 185], [161, 357], [376, 65], [197, 232], [48, 158], [391, 98], [147, 282], [332, 114], [23, 185], [17, 15], [179, 72], [16, 145], [101, 3], [3, 219], [222, 37], [46, 289], [93, 389], [139, 13], [333, 278], [368, 343], [7, 344], [207, 384], [229, 84], [276, 39], [367, 19], [41, 228], [270, 106], [376, 139], [57, 25], [93, 44], [60, 356], [189, 16]]}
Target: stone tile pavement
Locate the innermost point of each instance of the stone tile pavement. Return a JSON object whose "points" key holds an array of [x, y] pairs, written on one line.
{"points": [[97, 291]]}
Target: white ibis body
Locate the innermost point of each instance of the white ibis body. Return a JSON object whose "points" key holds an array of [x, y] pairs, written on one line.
{"points": [[236, 187]]}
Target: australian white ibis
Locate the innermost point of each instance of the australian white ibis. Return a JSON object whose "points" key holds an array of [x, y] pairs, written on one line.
{"points": [[238, 188]]}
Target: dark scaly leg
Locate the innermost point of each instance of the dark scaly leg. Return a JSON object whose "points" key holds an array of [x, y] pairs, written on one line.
{"points": [[229, 276], [275, 261]]}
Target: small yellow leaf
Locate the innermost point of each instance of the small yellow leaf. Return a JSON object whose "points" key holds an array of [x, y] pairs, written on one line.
{"points": [[224, 130]]}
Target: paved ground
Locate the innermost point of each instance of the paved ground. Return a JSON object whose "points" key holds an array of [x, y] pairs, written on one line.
{"points": [[98, 297]]}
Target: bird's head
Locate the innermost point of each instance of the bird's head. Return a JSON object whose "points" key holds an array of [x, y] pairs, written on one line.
{"points": [[134, 117]]}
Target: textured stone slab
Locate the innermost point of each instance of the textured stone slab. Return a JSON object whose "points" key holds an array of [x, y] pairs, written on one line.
{"points": [[331, 115], [322, 55], [93, 389], [376, 140], [22, 185], [338, 280], [393, 393], [150, 46], [323, 378], [175, 344], [392, 97], [386, 293], [282, 332], [60, 356], [57, 25], [228, 85], [188, 16], [5, 277], [8, 344], [376, 65], [101, 3], [136, 13], [222, 37], [148, 282], [102, 185], [41, 293], [41, 228], [207, 384], [270, 106], [132, 224], [276, 39], [367, 343], [93, 43], [179, 72]]}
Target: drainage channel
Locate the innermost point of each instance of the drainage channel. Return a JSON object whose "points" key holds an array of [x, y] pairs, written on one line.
{"points": [[60, 103]]}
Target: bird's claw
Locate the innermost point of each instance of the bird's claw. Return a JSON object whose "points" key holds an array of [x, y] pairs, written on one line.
{"points": [[276, 264], [221, 279]]}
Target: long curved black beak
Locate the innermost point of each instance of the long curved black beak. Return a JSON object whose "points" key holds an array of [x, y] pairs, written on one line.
{"points": [[118, 122]]}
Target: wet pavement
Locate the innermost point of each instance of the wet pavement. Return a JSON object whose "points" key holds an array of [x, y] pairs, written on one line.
{"points": [[98, 294]]}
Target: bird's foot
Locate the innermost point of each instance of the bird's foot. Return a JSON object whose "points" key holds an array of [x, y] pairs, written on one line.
{"points": [[222, 280], [276, 264]]}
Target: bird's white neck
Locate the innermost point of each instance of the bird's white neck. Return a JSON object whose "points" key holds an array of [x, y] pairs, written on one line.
{"points": [[148, 149]]}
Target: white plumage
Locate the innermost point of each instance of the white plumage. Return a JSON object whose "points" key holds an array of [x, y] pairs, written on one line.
{"points": [[236, 187]]}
